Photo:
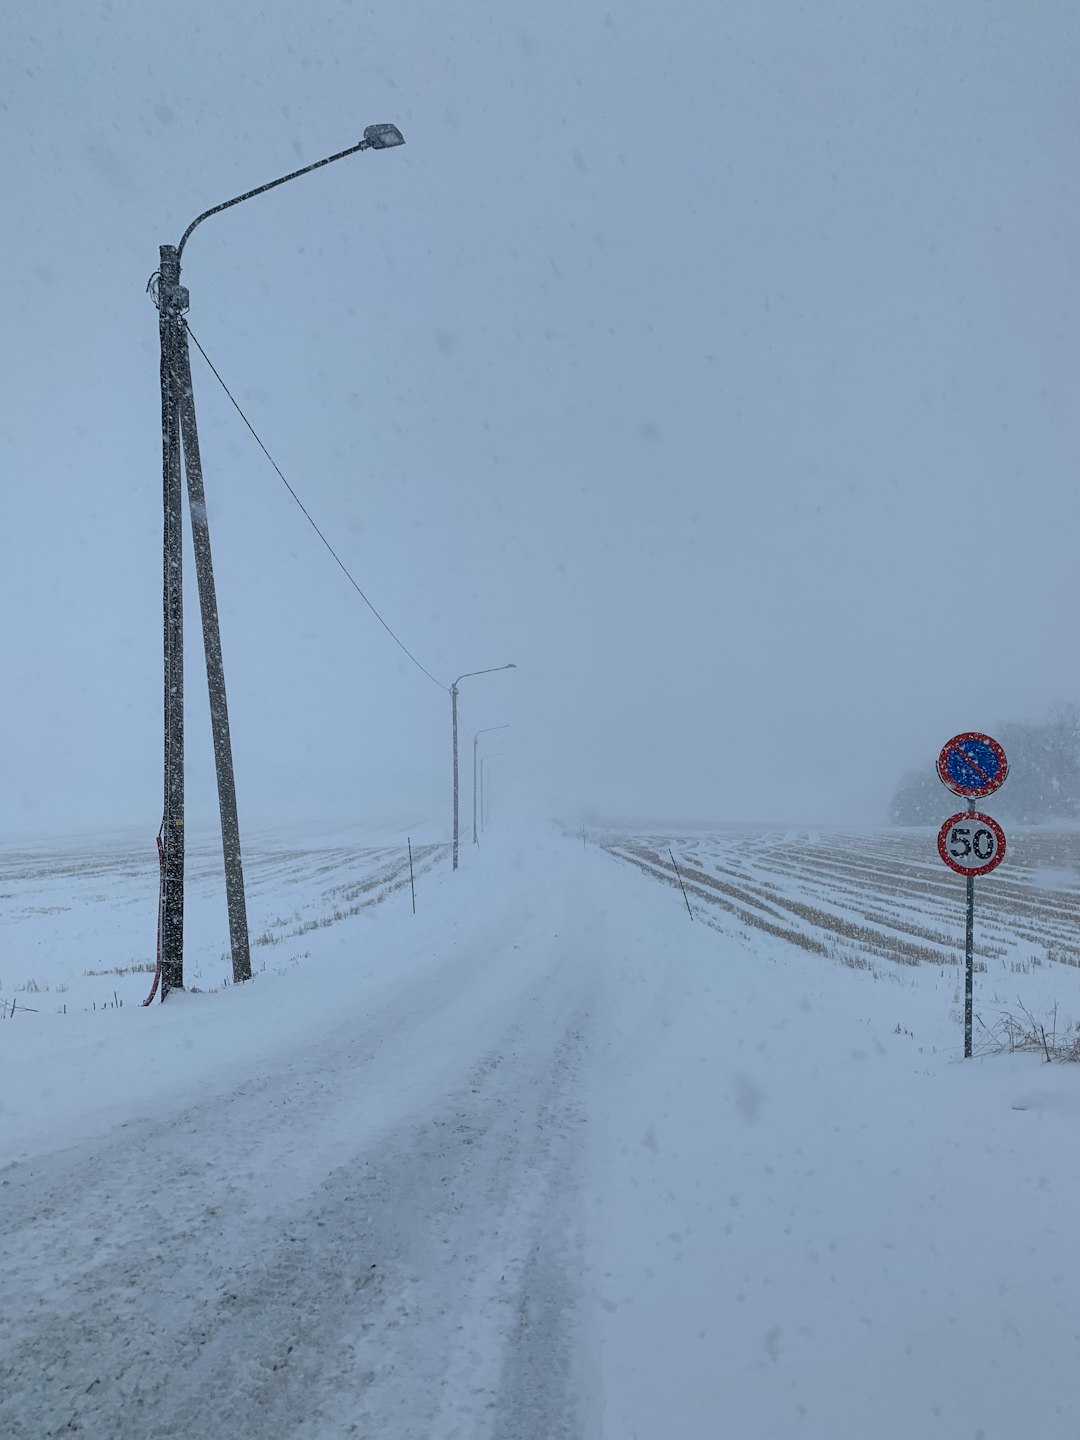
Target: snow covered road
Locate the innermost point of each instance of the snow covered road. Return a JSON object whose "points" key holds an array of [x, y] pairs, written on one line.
{"points": [[360, 1239], [547, 1160]]}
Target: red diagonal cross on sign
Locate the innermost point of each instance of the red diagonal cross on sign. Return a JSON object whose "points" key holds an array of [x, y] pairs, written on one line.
{"points": [[967, 759]]}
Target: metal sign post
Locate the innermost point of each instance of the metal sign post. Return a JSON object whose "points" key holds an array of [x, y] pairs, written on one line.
{"points": [[970, 842], [969, 969]]}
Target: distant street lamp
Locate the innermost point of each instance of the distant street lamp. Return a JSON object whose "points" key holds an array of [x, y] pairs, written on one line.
{"points": [[179, 437], [475, 738], [453, 711]]}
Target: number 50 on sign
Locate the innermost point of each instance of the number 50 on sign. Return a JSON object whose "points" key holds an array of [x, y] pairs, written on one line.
{"points": [[971, 843]]}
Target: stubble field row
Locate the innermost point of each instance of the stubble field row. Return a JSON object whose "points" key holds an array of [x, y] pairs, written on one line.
{"points": [[78, 919], [866, 897]]}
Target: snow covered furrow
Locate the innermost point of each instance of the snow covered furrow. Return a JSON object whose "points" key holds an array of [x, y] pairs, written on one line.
{"points": [[786, 917], [758, 917], [876, 897], [1010, 901]]}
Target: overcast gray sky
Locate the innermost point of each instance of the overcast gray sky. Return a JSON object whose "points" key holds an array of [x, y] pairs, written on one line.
{"points": [[717, 364]]}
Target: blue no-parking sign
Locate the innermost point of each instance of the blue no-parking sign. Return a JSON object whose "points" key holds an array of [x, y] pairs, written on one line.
{"points": [[972, 765]]}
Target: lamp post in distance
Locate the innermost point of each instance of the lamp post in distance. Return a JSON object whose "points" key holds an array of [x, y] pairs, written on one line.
{"points": [[180, 452], [475, 738], [494, 669]]}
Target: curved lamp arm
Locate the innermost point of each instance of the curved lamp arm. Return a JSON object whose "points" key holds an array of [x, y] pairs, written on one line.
{"points": [[470, 673], [376, 137]]}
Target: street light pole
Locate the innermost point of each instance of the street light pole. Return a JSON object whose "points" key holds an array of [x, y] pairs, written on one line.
{"points": [[180, 438], [453, 712], [475, 738]]}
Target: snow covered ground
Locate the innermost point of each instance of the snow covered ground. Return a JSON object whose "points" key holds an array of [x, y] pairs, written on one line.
{"points": [[547, 1159], [77, 928]]}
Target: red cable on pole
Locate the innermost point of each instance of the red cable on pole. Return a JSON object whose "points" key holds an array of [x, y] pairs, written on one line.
{"points": [[161, 905]]}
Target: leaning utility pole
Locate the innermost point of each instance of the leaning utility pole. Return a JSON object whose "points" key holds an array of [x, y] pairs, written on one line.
{"points": [[215, 675], [180, 436]]}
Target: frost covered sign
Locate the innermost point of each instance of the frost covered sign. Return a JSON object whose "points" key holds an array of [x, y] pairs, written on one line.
{"points": [[971, 843], [972, 765]]}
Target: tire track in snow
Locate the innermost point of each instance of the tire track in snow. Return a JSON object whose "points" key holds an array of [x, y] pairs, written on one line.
{"points": [[270, 1263]]}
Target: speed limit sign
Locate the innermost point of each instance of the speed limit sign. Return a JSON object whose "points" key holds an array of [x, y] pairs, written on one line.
{"points": [[971, 843]]}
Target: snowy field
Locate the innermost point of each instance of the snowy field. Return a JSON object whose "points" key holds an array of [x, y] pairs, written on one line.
{"points": [[887, 904], [78, 923], [551, 1158]]}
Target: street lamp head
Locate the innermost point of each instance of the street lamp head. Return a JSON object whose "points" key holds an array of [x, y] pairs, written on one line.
{"points": [[383, 137]]}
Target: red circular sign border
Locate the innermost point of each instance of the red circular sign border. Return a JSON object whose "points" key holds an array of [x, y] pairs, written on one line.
{"points": [[987, 820], [982, 790]]}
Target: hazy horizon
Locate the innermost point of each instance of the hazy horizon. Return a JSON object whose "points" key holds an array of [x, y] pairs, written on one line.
{"points": [[715, 368]]}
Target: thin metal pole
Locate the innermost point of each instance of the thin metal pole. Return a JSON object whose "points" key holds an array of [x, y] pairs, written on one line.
{"points": [[170, 307], [453, 710], [682, 887], [475, 739], [215, 672], [412, 877], [482, 759], [468, 675], [969, 954], [487, 730]]}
